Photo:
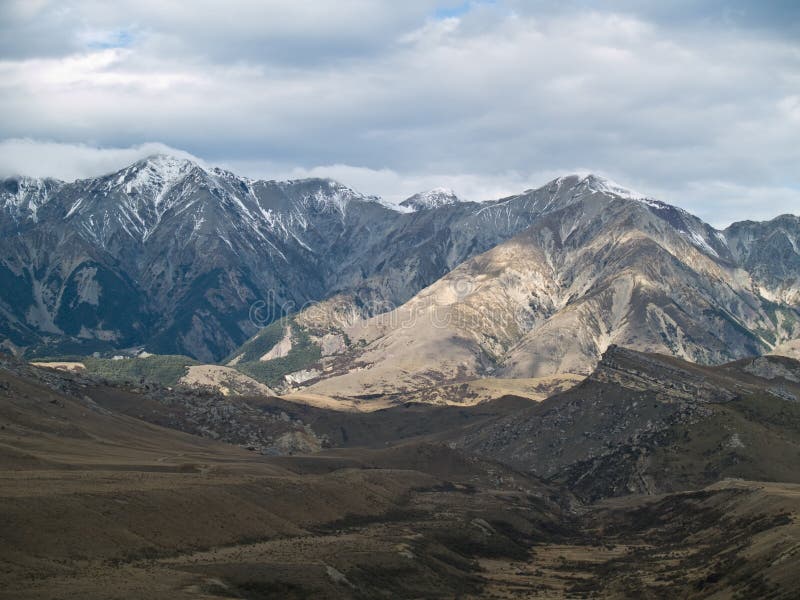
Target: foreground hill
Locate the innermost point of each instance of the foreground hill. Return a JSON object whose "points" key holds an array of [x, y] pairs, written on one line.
{"points": [[644, 423], [640, 423], [97, 504]]}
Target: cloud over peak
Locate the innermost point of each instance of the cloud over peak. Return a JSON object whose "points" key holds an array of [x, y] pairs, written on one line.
{"points": [[697, 104]]}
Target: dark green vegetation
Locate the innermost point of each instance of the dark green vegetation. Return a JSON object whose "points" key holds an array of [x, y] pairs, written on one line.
{"points": [[303, 355], [17, 295], [262, 342], [112, 305], [162, 369], [206, 310]]}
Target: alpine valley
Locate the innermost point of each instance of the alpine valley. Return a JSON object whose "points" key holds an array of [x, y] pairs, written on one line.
{"points": [[216, 387]]}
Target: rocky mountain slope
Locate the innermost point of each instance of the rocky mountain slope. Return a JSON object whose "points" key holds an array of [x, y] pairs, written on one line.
{"points": [[770, 252], [174, 256], [597, 268]]}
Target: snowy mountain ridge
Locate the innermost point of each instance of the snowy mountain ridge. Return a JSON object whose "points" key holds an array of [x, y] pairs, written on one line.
{"points": [[171, 254]]}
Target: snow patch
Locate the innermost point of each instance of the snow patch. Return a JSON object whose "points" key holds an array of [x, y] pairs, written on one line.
{"points": [[698, 240], [329, 195], [156, 175]]}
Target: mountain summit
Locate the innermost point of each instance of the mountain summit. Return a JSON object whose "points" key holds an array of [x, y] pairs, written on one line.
{"points": [[431, 199]]}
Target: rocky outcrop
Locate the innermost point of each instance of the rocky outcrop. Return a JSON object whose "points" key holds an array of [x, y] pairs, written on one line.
{"points": [[770, 367], [639, 372]]}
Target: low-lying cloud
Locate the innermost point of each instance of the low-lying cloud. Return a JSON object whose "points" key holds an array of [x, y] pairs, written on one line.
{"points": [[72, 161]]}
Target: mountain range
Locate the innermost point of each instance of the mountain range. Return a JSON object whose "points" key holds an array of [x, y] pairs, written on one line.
{"points": [[174, 257], [570, 392]]}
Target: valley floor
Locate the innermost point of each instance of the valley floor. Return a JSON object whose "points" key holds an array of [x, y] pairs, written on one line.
{"points": [[323, 528], [97, 504]]}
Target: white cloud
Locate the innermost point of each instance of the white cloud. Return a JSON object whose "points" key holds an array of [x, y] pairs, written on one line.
{"points": [[71, 161], [487, 100], [720, 203], [717, 202]]}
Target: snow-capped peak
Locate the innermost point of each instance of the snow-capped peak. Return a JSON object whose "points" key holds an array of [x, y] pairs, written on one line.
{"points": [[691, 228], [431, 199], [591, 184], [603, 185], [149, 181], [158, 173]]}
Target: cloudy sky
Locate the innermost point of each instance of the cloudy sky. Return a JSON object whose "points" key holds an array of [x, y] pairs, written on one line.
{"points": [[696, 103]]}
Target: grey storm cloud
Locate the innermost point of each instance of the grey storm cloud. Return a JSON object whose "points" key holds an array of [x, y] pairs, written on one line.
{"points": [[695, 103]]}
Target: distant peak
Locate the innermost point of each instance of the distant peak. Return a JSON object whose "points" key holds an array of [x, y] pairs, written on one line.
{"points": [[604, 185], [165, 162], [153, 176], [30, 180], [21, 180], [593, 183], [322, 185], [325, 193], [431, 199]]}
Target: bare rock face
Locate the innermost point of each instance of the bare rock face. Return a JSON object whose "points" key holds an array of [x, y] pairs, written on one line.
{"points": [[281, 349], [770, 251], [668, 383], [774, 368]]}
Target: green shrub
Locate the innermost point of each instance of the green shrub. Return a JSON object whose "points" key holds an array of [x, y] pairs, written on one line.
{"points": [[162, 369], [261, 343], [304, 354]]}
